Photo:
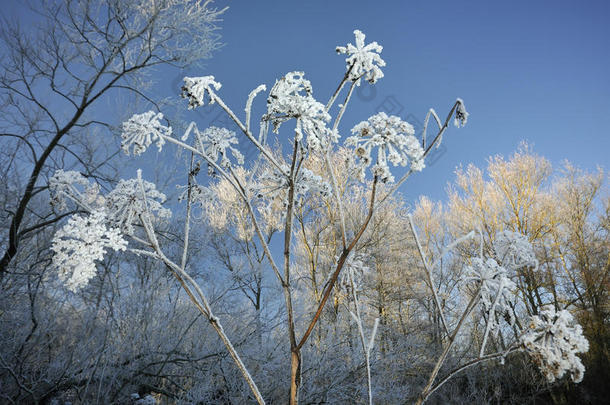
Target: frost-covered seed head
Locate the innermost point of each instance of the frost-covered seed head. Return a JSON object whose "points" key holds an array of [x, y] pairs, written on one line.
{"points": [[273, 185], [395, 142], [214, 142], [461, 115], [80, 244], [194, 90], [365, 59], [552, 340], [69, 184], [491, 280], [514, 250], [292, 97], [143, 129], [126, 202]]}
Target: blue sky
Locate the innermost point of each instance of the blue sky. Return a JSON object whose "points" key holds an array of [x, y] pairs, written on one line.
{"points": [[534, 71], [527, 70]]}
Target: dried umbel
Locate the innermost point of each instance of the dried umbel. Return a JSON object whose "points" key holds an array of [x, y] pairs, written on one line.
{"points": [[395, 143], [552, 340], [143, 129], [82, 242], [363, 60], [514, 251], [292, 98], [195, 89], [495, 290]]}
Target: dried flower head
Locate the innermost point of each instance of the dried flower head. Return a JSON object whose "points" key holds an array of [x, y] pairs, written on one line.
{"points": [[363, 60]]}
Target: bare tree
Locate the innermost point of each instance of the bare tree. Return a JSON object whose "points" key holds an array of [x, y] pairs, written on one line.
{"points": [[56, 77]]}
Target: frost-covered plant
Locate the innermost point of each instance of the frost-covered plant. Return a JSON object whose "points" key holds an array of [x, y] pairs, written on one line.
{"points": [[68, 184], [195, 88], [273, 186], [287, 186], [461, 115], [363, 60], [395, 142], [143, 129], [292, 97], [82, 242], [495, 289], [132, 198], [552, 340], [496, 294], [214, 142], [356, 268], [514, 250]]}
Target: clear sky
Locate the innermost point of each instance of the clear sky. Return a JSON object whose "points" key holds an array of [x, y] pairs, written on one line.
{"points": [[527, 70]]}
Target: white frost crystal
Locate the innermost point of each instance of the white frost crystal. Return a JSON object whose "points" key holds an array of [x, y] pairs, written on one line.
{"points": [[395, 141], [143, 129], [553, 340], [126, 202], [292, 97], [195, 88], [80, 243], [364, 58]]}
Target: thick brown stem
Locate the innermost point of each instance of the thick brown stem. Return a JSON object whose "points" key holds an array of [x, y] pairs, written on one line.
{"points": [[295, 359], [295, 375], [340, 263]]}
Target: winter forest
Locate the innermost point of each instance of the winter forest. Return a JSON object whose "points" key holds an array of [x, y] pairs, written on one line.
{"points": [[304, 245]]}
